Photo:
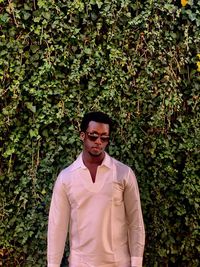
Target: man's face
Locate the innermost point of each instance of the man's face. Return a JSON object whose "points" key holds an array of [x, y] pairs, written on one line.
{"points": [[96, 138]]}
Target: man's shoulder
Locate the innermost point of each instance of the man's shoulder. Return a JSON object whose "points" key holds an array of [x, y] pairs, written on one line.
{"points": [[121, 168], [69, 170], [124, 173], [120, 164]]}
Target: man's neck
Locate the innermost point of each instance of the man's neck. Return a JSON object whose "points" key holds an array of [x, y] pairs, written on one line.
{"points": [[93, 160]]}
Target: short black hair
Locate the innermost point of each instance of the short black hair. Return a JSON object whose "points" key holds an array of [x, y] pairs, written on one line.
{"points": [[96, 116]]}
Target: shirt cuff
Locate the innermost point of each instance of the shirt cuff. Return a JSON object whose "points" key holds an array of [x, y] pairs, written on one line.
{"points": [[136, 261]]}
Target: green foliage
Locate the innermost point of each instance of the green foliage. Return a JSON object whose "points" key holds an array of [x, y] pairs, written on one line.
{"points": [[135, 60]]}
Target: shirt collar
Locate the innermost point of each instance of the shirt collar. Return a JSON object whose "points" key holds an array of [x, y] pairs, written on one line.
{"points": [[107, 161], [78, 163]]}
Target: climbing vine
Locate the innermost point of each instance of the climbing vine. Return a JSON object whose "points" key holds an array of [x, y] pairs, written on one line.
{"points": [[138, 61]]}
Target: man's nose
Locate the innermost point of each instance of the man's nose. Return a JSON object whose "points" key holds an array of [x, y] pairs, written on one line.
{"points": [[98, 140]]}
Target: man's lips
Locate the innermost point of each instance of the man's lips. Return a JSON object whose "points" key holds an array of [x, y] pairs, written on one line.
{"points": [[96, 147]]}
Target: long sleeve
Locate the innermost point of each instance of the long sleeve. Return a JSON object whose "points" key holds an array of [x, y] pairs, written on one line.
{"points": [[136, 232], [58, 224]]}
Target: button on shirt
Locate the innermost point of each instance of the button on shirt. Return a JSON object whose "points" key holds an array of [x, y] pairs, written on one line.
{"points": [[104, 218]]}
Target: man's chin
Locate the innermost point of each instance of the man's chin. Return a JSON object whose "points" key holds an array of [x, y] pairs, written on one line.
{"points": [[95, 154]]}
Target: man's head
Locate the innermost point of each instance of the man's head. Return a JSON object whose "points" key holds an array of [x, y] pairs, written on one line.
{"points": [[96, 116], [95, 132]]}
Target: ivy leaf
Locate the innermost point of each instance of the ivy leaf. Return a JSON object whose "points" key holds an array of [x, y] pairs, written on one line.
{"points": [[4, 18], [31, 107]]}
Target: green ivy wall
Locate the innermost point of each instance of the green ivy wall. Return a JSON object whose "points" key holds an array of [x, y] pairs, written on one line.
{"points": [[138, 61]]}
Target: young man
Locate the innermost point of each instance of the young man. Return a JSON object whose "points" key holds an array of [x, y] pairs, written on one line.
{"points": [[97, 197]]}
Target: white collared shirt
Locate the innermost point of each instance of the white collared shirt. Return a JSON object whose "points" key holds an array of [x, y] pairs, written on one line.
{"points": [[104, 218]]}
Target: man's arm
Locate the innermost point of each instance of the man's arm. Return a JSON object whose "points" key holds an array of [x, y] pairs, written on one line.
{"points": [[136, 232], [59, 215]]}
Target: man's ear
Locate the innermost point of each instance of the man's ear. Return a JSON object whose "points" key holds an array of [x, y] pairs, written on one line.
{"points": [[82, 136]]}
